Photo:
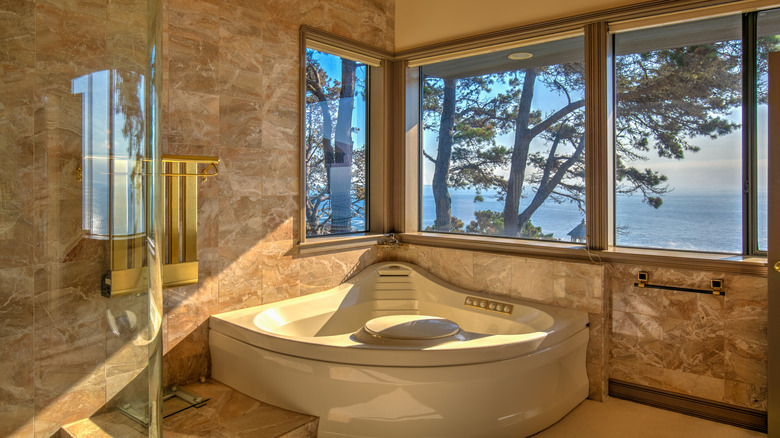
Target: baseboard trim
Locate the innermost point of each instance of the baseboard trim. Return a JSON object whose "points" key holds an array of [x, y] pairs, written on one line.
{"points": [[685, 404]]}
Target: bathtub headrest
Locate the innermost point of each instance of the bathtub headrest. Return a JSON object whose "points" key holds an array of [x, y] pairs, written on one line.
{"points": [[394, 271]]}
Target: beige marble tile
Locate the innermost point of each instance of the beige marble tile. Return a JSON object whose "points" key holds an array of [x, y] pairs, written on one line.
{"points": [[633, 371], [240, 278], [641, 327], [493, 273], [746, 395], [192, 65], [280, 217], [17, 388], [192, 117], [343, 16], [69, 374], [81, 30], [239, 83], [241, 225], [240, 122], [68, 294], [616, 418], [708, 387], [280, 169], [457, 267], [578, 286], [281, 271], [597, 357], [532, 279], [189, 359], [630, 349], [228, 413], [16, 419], [637, 300], [111, 424], [241, 173], [16, 301], [195, 19], [189, 307], [315, 268], [745, 287]]}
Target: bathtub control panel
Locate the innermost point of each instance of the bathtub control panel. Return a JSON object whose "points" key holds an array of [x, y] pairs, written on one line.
{"points": [[486, 304]]}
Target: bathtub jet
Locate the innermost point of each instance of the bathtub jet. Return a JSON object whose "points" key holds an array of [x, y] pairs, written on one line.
{"points": [[397, 352]]}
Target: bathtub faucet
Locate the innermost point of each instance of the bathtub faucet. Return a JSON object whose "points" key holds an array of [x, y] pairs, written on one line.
{"points": [[391, 242]]}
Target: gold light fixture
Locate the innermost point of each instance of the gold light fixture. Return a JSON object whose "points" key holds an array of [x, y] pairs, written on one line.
{"points": [[517, 56]]}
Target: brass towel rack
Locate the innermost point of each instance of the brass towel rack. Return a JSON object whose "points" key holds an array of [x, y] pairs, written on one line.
{"points": [[181, 159], [180, 258], [716, 285]]}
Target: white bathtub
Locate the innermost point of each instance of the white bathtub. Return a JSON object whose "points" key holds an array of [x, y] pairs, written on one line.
{"points": [[455, 363]]}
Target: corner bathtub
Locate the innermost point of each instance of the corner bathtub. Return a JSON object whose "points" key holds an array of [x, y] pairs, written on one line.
{"points": [[396, 352]]}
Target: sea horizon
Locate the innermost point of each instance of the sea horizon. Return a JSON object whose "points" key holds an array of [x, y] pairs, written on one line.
{"points": [[676, 224]]}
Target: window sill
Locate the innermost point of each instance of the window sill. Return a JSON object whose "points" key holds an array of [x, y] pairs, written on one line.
{"points": [[726, 263], [326, 244]]}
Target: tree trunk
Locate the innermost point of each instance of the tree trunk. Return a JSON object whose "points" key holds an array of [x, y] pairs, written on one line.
{"points": [[340, 172], [441, 170], [548, 185], [523, 137]]}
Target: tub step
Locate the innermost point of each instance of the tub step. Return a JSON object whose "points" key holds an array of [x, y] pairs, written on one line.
{"points": [[397, 304], [234, 410]]}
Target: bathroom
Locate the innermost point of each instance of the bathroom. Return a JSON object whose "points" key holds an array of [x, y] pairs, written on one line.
{"points": [[230, 89]]}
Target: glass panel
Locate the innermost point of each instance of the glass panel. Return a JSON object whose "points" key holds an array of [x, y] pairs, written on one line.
{"points": [[75, 132], [768, 41], [336, 136], [678, 142], [503, 143]]}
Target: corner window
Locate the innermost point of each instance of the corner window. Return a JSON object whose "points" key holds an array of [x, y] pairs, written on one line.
{"points": [[335, 136], [683, 130], [503, 143]]}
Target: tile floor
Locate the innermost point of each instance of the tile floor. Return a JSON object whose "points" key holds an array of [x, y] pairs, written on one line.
{"points": [[616, 418], [232, 414], [227, 414]]}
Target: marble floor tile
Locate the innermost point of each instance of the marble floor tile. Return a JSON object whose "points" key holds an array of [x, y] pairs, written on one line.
{"points": [[617, 418], [228, 414]]}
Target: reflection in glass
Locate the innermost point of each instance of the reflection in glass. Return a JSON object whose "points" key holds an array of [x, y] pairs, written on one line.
{"points": [[112, 163], [335, 138]]}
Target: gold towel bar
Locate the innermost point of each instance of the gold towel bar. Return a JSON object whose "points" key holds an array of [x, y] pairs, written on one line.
{"points": [[211, 161]]}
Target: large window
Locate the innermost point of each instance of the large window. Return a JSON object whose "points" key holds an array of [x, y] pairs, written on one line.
{"points": [[335, 144], [503, 143], [684, 130]]}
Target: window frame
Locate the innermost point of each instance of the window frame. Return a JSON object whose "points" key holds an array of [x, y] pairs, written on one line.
{"points": [[377, 140], [599, 156], [749, 134], [522, 45]]}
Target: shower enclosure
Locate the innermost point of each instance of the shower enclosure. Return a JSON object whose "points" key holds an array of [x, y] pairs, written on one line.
{"points": [[79, 133]]}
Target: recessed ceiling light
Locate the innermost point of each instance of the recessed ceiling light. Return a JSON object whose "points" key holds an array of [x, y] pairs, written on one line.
{"points": [[520, 55]]}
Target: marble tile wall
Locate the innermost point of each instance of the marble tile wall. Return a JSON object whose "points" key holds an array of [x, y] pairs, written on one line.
{"points": [[713, 347], [231, 90]]}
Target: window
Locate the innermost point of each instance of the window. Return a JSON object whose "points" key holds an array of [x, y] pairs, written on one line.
{"points": [[768, 40], [503, 143], [682, 127], [335, 144]]}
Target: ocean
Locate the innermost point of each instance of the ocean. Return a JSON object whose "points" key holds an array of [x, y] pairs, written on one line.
{"points": [[686, 221]]}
